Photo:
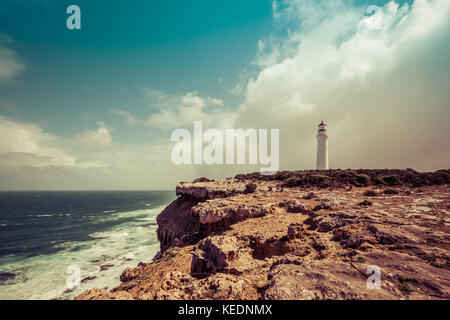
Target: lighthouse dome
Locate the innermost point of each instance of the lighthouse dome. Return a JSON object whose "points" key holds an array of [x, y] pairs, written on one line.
{"points": [[322, 126]]}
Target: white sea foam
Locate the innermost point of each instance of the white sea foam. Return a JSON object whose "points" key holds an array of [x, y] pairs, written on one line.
{"points": [[124, 246]]}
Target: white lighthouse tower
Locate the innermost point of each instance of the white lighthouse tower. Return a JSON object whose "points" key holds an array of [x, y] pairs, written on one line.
{"points": [[322, 147]]}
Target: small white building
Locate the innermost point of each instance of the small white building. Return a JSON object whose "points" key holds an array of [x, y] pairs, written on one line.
{"points": [[322, 147]]}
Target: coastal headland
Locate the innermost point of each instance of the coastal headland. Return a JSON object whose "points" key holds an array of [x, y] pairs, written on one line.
{"points": [[329, 234]]}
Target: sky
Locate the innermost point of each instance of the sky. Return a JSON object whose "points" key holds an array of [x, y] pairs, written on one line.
{"points": [[94, 109]]}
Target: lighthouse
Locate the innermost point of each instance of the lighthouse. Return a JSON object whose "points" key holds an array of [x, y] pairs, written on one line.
{"points": [[322, 147]]}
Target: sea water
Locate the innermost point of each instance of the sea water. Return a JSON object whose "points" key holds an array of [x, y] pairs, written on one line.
{"points": [[101, 233]]}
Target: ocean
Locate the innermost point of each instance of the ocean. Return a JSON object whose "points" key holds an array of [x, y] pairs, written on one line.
{"points": [[49, 239]]}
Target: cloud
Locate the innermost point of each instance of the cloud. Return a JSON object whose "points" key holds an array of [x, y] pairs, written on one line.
{"points": [[10, 65], [33, 159], [129, 118], [169, 111], [25, 144], [178, 110], [241, 84], [373, 77], [99, 138]]}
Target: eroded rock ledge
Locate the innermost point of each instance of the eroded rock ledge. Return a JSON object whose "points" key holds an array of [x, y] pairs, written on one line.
{"points": [[300, 235]]}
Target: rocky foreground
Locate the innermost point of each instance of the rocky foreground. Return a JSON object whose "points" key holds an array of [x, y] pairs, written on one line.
{"points": [[300, 235]]}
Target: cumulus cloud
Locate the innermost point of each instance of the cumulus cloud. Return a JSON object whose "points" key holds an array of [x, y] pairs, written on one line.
{"points": [[129, 118], [178, 110], [26, 144], [169, 111], [241, 85], [99, 138], [374, 77], [32, 158]]}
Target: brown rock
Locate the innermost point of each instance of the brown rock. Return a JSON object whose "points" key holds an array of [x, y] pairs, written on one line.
{"points": [[309, 195], [365, 203], [219, 242], [295, 231], [250, 187], [296, 207], [215, 253]]}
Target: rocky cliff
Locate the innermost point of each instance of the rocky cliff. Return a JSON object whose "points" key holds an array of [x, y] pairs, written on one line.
{"points": [[300, 235]]}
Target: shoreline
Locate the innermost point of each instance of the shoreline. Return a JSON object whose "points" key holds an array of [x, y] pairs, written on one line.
{"points": [[127, 238]]}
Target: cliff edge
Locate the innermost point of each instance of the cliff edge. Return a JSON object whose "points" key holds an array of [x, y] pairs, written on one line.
{"points": [[300, 235]]}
